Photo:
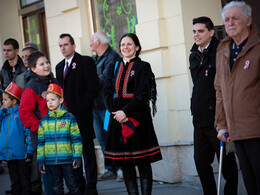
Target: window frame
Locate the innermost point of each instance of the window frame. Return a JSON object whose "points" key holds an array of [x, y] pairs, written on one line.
{"points": [[30, 4]]}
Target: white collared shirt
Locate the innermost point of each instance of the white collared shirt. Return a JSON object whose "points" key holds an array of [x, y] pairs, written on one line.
{"points": [[69, 62], [204, 48], [124, 61]]}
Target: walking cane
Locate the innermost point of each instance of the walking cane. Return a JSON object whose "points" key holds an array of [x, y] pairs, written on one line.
{"points": [[221, 160]]}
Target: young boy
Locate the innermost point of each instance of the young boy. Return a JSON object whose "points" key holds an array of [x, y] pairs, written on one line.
{"points": [[15, 145], [33, 106], [59, 142]]}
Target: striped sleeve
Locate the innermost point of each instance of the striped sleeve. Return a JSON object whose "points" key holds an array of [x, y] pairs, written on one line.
{"points": [[75, 138], [41, 145]]}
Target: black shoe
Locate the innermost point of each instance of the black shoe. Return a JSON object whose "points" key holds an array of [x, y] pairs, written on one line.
{"points": [[91, 192], [8, 192], [1, 170], [132, 187], [36, 193]]}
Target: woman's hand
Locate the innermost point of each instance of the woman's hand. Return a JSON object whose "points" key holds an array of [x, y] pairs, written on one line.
{"points": [[125, 120], [119, 116]]}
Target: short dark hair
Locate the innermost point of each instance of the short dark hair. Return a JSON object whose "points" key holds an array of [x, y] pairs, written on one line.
{"points": [[31, 49], [11, 97], [12, 42], [135, 39], [33, 57], [72, 42], [204, 20]]}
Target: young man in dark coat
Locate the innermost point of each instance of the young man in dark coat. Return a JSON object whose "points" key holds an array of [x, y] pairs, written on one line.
{"points": [[13, 66], [206, 145], [77, 76]]}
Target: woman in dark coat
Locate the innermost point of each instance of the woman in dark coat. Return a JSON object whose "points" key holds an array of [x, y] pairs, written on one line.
{"points": [[131, 138]]}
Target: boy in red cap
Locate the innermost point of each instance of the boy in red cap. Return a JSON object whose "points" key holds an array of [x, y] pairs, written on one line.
{"points": [[59, 142], [15, 144]]}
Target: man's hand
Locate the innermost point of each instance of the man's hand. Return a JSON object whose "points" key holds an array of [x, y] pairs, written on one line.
{"points": [[221, 136]]}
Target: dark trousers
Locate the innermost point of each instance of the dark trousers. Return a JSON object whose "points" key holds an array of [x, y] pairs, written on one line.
{"points": [[58, 172], [36, 183], [19, 173], [206, 145], [249, 158], [90, 165]]}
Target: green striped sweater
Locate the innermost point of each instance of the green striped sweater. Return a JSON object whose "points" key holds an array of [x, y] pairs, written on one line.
{"points": [[59, 140]]}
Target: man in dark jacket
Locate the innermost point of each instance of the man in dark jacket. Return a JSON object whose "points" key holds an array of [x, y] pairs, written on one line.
{"points": [[13, 66], [77, 76], [203, 101], [104, 58]]}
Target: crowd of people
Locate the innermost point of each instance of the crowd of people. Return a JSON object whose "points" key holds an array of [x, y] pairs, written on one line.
{"points": [[48, 124]]}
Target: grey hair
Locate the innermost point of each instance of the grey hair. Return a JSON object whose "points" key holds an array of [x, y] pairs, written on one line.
{"points": [[101, 37], [245, 9]]}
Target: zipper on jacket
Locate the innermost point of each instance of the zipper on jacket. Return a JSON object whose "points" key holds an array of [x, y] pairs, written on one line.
{"points": [[56, 160], [8, 135]]}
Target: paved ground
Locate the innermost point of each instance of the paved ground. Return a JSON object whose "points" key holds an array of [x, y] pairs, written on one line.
{"points": [[112, 187]]}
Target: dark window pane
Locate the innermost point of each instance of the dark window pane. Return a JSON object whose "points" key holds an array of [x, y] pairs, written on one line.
{"points": [[28, 2], [115, 18], [31, 29], [34, 26]]}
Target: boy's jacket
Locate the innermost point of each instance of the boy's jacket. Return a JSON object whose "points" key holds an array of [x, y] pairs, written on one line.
{"points": [[59, 140], [14, 137]]}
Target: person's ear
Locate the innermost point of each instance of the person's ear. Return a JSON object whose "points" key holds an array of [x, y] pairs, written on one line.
{"points": [[61, 100], [212, 32], [14, 102], [249, 21], [32, 69]]}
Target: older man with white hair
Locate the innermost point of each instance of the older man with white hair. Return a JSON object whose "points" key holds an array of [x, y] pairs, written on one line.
{"points": [[237, 84], [104, 58]]}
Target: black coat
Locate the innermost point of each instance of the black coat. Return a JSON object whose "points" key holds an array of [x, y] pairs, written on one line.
{"points": [[203, 70], [6, 76], [103, 63], [130, 89], [80, 88]]}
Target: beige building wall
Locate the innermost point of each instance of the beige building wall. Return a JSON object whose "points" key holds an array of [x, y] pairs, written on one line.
{"points": [[10, 24], [165, 32], [68, 16]]}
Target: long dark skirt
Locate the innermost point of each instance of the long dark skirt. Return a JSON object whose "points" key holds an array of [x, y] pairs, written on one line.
{"points": [[141, 148]]}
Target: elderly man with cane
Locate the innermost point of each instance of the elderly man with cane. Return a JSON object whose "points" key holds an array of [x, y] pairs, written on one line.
{"points": [[237, 85]]}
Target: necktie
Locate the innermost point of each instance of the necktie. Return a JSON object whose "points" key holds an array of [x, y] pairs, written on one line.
{"points": [[66, 70]]}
